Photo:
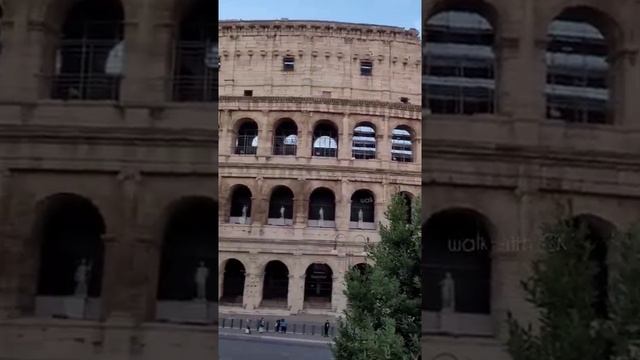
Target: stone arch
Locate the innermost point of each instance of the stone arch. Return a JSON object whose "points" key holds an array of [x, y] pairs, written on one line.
{"points": [[580, 43], [275, 289], [281, 206], [85, 61], [233, 282], [362, 267], [240, 204], [318, 286], [325, 139], [458, 241], [363, 207], [245, 134], [285, 137], [189, 242], [364, 141], [196, 62], [445, 356], [591, 12], [461, 42], [403, 144], [484, 8], [322, 207], [69, 229]]}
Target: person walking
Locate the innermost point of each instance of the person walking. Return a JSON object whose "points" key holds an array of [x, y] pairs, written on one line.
{"points": [[261, 325], [278, 325], [327, 325], [284, 326]]}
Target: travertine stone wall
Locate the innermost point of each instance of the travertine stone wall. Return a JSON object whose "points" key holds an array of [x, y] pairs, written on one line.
{"points": [[325, 60]]}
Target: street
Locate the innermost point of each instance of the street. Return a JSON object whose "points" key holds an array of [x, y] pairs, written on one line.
{"points": [[271, 348]]}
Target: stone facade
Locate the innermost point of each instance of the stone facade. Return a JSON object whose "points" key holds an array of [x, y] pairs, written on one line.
{"points": [[307, 76], [516, 169], [130, 160]]}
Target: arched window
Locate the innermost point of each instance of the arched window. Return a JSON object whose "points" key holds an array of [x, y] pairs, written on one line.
{"points": [[577, 71], [281, 206], [247, 138], [233, 283], [460, 63], [362, 268], [402, 144], [322, 204], [189, 259], [89, 60], [325, 140], [456, 243], [275, 290], [363, 145], [240, 211], [285, 139], [318, 286], [196, 60], [363, 204], [70, 229]]}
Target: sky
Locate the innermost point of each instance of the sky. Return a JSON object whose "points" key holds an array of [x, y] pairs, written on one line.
{"points": [[403, 13]]}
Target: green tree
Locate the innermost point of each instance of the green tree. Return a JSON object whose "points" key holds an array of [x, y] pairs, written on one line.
{"points": [[561, 289], [382, 319]]}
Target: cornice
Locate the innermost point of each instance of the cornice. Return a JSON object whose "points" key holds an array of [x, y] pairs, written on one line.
{"points": [[322, 101]]}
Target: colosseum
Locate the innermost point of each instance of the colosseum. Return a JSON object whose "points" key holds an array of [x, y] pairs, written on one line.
{"points": [[529, 115], [108, 179], [319, 127]]}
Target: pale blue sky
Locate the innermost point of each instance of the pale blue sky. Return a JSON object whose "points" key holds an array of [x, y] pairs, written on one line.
{"points": [[403, 13]]}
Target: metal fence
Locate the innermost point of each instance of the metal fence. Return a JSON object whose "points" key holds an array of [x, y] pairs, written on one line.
{"points": [[297, 328]]}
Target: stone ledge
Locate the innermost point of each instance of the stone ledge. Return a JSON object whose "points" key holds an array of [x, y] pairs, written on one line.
{"points": [[323, 101]]}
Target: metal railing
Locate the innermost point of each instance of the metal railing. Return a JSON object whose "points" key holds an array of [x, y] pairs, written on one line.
{"points": [[296, 328]]}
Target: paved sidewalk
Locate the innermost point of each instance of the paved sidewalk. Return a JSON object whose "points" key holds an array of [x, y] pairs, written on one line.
{"points": [[277, 337]]}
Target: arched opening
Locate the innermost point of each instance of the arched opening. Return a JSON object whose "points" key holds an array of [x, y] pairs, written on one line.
{"points": [[89, 60], [408, 201], [189, 252], [362, 268], [285, 138], [460, 62], [281, 206], [233, 283], [196, 62], [363, 205], [578, 71], [598, 234], [457, 242], [69, 229], [318, 285], [240, 210], [325, 140], [363, 145], [275, 289], [247, 138], [402, 144], [322, 207]]}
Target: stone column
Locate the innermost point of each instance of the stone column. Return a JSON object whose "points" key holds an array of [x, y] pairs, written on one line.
{"points": [[295, 298], [305, 136], [338, 299], [264, 136], [626, 83], [343, 205], [301, 204], [252, 295], [383, 140], [8, 256], [344, 139]]}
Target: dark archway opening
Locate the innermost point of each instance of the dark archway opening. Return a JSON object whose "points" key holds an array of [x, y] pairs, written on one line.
{"points": [[285, 140], [318, 285], [240, 210], [233, 282], [275, 289], [322, 204], [89, 64], [457, 242], [363, 204], [70, 229], [247, 139], [190, 239], [325, 140], [196, 61], [363, 145], [281, 206]]}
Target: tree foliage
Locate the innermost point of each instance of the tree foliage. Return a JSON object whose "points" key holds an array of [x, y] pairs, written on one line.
{"points": [[382, 319]]}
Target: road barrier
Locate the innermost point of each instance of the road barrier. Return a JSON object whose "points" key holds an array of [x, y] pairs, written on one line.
{"points": [[298, 328]]}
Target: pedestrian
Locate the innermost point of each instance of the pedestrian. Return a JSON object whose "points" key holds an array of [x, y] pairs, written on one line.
{"points": [[248, 329], [284, 326], [261, 325], [327, 325], [278, 325]]}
